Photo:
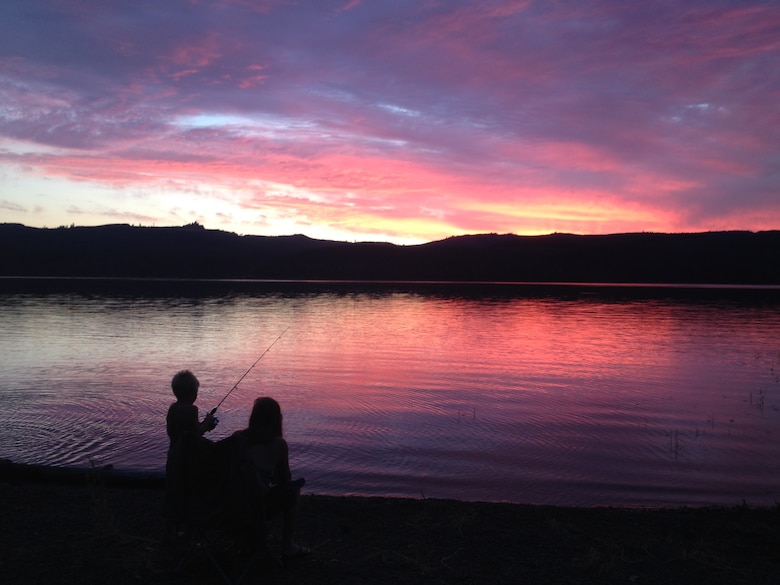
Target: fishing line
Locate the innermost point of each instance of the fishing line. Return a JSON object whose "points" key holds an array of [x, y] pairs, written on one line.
{"points": [[214, 410]]}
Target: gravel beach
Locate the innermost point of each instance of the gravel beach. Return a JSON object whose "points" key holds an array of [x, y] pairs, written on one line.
{"points": [[88, 533]]}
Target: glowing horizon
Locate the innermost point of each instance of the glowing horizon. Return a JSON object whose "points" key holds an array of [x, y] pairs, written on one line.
{"points": [[392, 121]]}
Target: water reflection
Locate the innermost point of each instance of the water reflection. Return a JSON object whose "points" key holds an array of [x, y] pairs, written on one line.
{"points": [[559, 395]]}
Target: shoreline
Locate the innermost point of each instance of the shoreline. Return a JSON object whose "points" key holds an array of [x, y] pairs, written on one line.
{"points": [[92, 532], [106, 475], [109, 476]]}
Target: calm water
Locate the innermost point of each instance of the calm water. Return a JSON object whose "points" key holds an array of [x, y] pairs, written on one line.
{"points": [[550, 395]]}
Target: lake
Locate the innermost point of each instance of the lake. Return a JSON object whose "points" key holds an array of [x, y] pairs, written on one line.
{"points": [[541, 394]]}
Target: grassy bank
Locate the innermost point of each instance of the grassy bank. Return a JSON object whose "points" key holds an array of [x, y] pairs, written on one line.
{"points": [[90, 534]]}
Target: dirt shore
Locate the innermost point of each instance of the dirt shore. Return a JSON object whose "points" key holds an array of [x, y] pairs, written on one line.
{"points": [[54, 533]]}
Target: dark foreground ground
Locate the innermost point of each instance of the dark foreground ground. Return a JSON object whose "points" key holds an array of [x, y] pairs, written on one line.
{"points": [[87, 534]]}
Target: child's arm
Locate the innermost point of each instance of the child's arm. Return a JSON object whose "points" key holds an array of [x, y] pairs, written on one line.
{"points": [[208, 423]]}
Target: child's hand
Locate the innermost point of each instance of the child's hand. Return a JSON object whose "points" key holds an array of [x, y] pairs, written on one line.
{"points": [[210, 421]]}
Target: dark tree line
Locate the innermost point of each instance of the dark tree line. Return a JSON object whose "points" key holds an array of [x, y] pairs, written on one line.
{"points": [[191, 251]]}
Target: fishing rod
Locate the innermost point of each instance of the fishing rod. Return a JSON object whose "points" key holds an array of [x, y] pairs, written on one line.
{"points": [[214, 410]]}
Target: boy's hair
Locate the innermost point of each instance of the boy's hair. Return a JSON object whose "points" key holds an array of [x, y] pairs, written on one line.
{"points": [[185, 386]]}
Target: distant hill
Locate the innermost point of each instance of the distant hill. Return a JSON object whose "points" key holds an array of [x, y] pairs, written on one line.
{"points": [[191, 251]]}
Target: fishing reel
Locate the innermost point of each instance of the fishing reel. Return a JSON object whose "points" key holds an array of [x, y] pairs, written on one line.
{"points": [[214, 419]]}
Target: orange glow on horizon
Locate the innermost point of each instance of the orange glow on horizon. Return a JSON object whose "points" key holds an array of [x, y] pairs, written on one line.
{"points": [[362, 199]]}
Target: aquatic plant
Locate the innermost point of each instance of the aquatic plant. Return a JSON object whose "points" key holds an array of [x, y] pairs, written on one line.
{"points": [[675, 444]]}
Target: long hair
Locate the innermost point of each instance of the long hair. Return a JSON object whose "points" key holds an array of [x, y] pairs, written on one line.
{"points": [[265, 422]]}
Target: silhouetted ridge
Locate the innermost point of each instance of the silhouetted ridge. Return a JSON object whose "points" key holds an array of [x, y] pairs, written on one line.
{"points": [[194, 252]]}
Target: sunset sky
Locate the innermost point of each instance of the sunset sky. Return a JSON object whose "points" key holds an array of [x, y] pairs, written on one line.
{"points": [[392, 120]]}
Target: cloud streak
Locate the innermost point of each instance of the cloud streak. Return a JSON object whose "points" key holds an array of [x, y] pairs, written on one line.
{"points": [[400, 121]]}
